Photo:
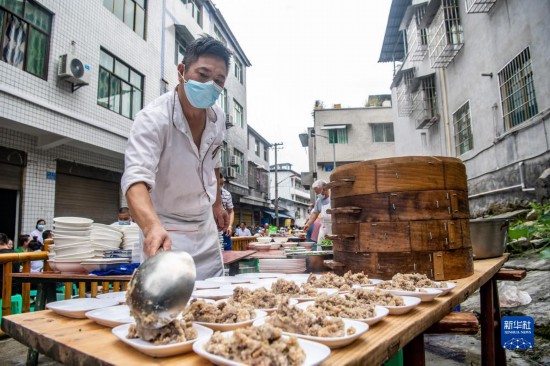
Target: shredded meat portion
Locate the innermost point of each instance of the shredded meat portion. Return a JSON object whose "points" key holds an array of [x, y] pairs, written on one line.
{"points": [[283, 286], [343, 283], [376, 297], [410, 282], [342, 306], [178, 330], [222, 312], [295, 320], [258, 299], [261, 346]]}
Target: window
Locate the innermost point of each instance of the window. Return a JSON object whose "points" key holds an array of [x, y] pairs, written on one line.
{"points": [[25, 30], [120, 87], [238, 111], [194, 8], [131, 12], [338, 136], [464, 140], [222, 101], [219, 35], [224, 155], [517, 91], [238, 70], [181, 46], [240, 160], [266, 153], [382, 132], [257, 147]]}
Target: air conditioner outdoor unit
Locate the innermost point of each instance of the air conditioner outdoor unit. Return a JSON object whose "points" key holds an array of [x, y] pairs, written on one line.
{"points": [[234, 160], [73, 69], [229, 121], [231, 172]]}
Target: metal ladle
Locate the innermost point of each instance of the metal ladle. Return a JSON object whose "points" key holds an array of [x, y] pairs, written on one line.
{"points": [[161, 287]]}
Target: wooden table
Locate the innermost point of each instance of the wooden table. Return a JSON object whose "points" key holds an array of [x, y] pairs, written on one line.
{"points": [[73, 341], [269, 254], [232, 257]]}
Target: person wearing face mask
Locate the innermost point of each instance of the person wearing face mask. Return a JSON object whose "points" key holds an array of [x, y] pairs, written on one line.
{"points": [[124, 217], [319, 212], [173, 158], [40, 227]]}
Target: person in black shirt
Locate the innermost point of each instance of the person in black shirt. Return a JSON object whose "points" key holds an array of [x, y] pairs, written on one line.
{"points": [[4, 248]]}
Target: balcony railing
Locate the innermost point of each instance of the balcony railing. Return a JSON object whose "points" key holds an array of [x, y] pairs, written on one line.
{"points": [[445, 34], [479, 6], [404, 99], [425, 103], [417, 38]]}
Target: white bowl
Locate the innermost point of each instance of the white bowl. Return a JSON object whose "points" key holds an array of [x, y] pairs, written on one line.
{"points": [[315, 352], [275, 246], [70, 240], [69, 266], [119, 296], [164, 350], [214, 294], [65, 234], [51, 262], [107, 242], [57, 227], [73, 221], [410, 302], [104, 234], [77, 308], [263, 239], [73, 249], [280, 239], [98, 226], [290, 245], [90, 267], [231, 326], [425, 294], [444, 290], [112, 316], [306, 244], [263, 247]]}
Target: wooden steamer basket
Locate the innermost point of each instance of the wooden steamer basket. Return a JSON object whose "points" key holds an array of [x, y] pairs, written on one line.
{"points": [[401, 215]]}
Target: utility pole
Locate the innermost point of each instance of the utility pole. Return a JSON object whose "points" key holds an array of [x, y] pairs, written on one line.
{"points": [[275, 148]]}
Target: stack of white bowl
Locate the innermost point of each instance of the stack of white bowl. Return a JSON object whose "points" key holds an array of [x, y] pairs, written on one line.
{"points": [[72, 243], [130, 239], [105, 237]]}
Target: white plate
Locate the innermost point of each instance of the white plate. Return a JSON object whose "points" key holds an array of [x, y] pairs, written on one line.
{"points": [[98, 226], [70, 240], [379, 311], [315, 352], [249, 286], [203, 285], [73, 221], [444, 290], [410, 302], [329, 291], [69, 266], [230, 326], [120, 296], [228, 280], [112, 316], [214, 294], [77, 308], [64, 234], [261, 275], [162, 350], [71, 228], [291, 302], [426, 295], [332, 342]]}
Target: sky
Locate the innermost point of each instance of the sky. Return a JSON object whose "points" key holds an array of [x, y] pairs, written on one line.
{"points": [[302, 51]]}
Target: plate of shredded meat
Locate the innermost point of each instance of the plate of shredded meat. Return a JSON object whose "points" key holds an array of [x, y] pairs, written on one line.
{"points": [[445, 287], [341, 306], [301, 292], [424, 294], [408, 304], [171, 341], [263, 345], [330, 331], [223, 316], [395, 304], [260, 299]]}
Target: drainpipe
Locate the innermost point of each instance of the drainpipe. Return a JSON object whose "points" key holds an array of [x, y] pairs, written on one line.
{"points": [[522, 185], [444, 101]]}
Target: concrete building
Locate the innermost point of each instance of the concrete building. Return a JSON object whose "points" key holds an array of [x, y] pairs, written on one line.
{"points": [[62, 138], [293, 198], [345, 135], [471, 82]]}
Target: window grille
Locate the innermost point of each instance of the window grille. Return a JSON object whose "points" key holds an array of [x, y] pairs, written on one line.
{"points": [[417, 38], [517, 90], [404, 99], [445, 34], [464, 140], [479, 6], [425, 103]]}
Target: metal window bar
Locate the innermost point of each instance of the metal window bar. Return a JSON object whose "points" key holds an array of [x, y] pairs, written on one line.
{"points": [[445, 34], [425, 104], [404, 99], [479, 6], [463, 129], [517, 90], [417, 37]]}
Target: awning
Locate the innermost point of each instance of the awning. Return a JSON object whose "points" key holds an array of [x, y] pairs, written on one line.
{"points": [[281, 215]]}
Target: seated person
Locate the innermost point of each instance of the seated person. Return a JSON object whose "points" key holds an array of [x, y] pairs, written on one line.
{"points": [[242, 230], [124, 217], [4, 240]]}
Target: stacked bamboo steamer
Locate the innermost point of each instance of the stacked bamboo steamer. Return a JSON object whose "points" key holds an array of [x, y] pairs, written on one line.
{"points": [[402, 215]]}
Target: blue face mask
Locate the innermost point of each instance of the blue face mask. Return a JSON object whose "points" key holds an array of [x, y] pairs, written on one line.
{"points": [[40, 227], [321, 196], [201, 95], [122, 222]]}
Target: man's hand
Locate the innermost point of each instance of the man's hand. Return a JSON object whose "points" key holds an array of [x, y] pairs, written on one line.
{"points": [[221, 217], [156, 238], [306, 227], [229, 231]]}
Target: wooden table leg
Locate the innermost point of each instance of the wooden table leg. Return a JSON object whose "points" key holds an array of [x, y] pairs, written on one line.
{"points": [[234, 268], [492, 353], [413, 352], [32, 357]]}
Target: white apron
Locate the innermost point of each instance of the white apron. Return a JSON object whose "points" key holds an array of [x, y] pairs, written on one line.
{"points": [[200, 240], [326, 223]]}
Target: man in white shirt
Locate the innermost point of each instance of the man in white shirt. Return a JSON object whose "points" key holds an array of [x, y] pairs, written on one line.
{"points": [[124, 218], [172, 162], [242, 230]]}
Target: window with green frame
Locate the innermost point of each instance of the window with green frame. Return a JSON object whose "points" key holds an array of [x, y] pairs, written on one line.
{"points": [[238, 114], [25, 31], [181, 46], [382, 132], [240, 159], [338, 136], [464, 139], [238, 70], [131, 12], [120, 87]]}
